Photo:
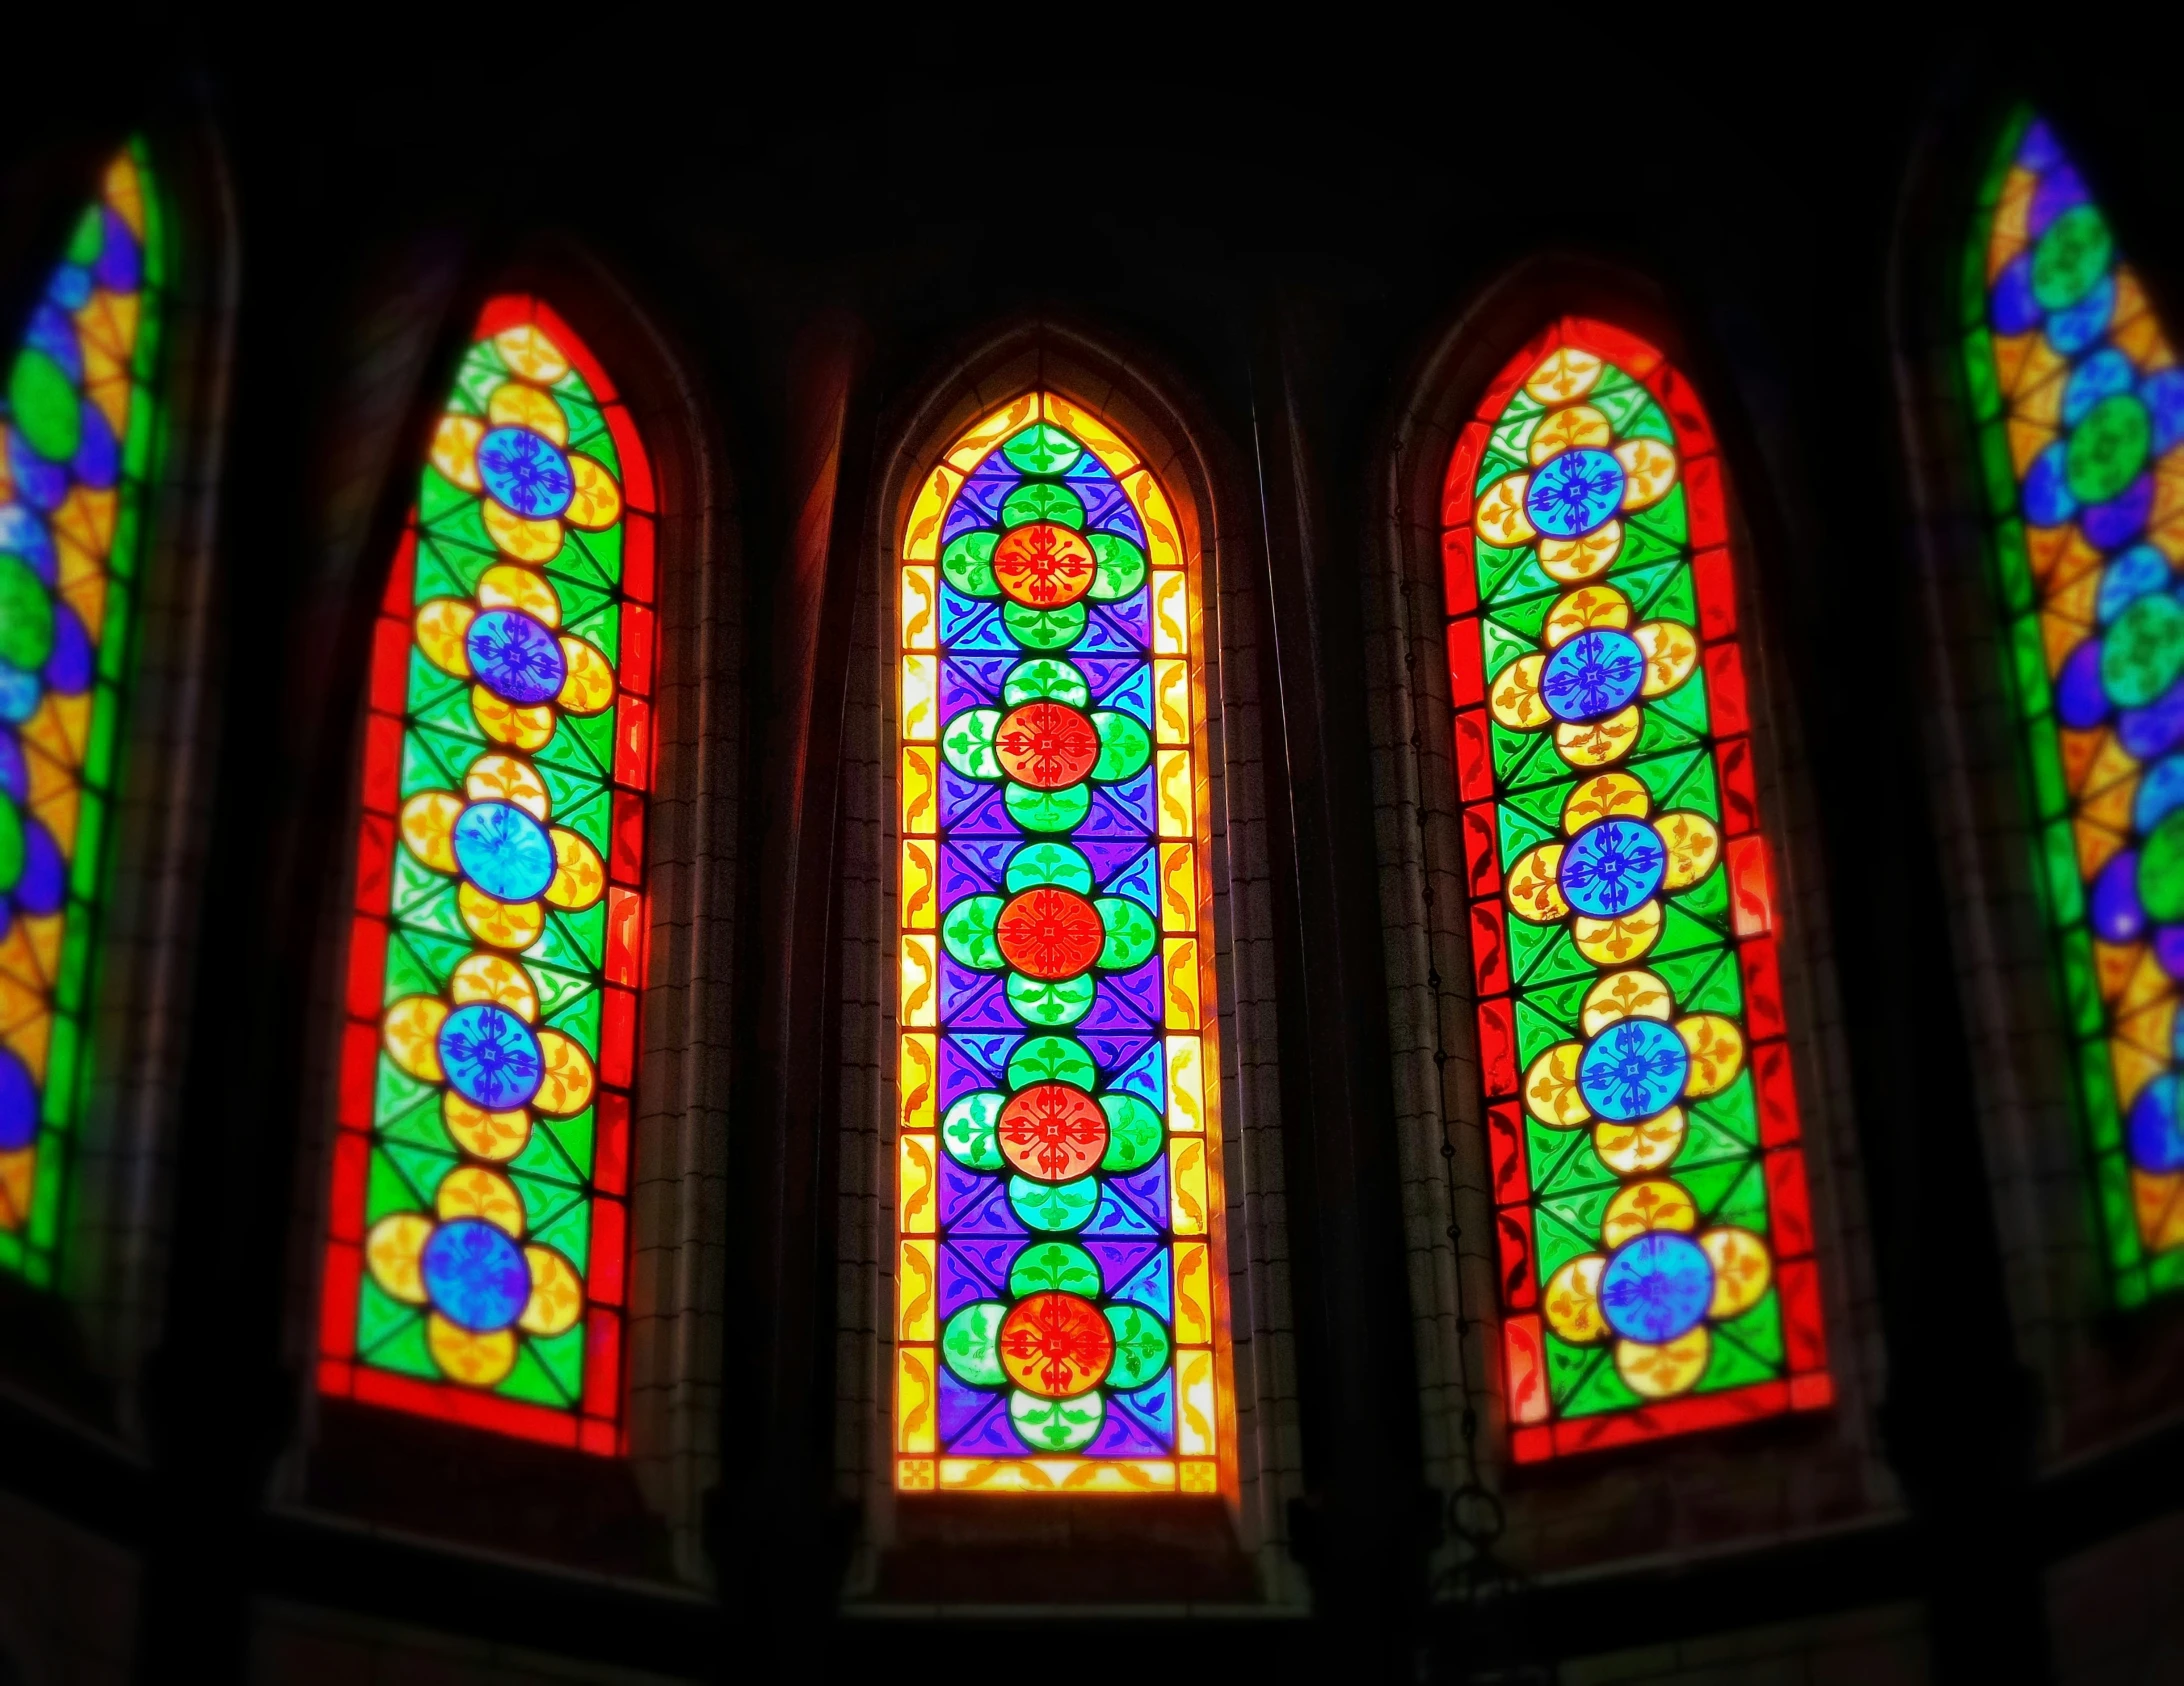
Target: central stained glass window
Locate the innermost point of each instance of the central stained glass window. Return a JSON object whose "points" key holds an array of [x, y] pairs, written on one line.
{"points": [[1059, 1326], [1655, 1242]]}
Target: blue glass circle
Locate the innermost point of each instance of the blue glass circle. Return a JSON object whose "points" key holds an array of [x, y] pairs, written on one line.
{"points": [[43, 883], [2163, 395], [491, 1056], [504, 851], [2169, 949], [18, 1102], [1592, 675], [70, 287], [23, 534], [2072, 329], [2156, 1132], [39, 483], [526, 472], [1611, 867], [1633, 1069], [98, 454], [119, 267], [14, 770], [2010, 305], [2081, 700], [1572, 494], [2155, 729], [2102, 375], [2118, 916], [2160, 793], [476, 1275], [2123, 517], [68, 668], [2047, 498], [19, 694], [2127, 578], [52, 333], [1656, 1286], [517, 658]]}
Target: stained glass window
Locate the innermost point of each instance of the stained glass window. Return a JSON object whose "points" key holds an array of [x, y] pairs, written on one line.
{"points": [[81, 430], [1653, 1228], [2080, 411], [475, 1264], [1058, 1194]]}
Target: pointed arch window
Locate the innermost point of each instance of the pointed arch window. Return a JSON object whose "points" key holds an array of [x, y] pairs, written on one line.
{"points": [[1059, 1324], [82, 431], [1652, 1219], [2080, 410], [477, 1244]]}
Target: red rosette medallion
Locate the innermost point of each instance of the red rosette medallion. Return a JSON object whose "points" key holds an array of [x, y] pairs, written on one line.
{"points": [[1056, 1345], [1046, 745], [1050, 933], [1043, 566], [1053, 1132]]}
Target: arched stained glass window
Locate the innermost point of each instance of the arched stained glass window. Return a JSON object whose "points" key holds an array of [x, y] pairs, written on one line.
{"points": [[478, 1236], [2081, 415], [1059, 1320], [82, 431], [1653, 1226]]}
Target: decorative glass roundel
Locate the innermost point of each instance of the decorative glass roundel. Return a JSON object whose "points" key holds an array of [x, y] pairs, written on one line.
{"points": [[476, 1254], [1057, 1187], [1656, 1243], [2080, 409]]}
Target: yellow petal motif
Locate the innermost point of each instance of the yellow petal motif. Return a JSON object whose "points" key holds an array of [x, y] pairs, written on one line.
{"points": [[471, 1191], [489, 1135], [1514, 694], [1551, 1094], [428, 827], [590, 685], [503, 586], [526, 541], [580, 877], [1625, 995], [1658, 1203], [512, 925], [1742, 1269], [504, 778], [1649, 470], [1563, 374], [442, 626], [1583, 610], [412, 1036], [1565, 430], [1572, 560], [392, 1250], [504, 722], [496, 979], [1671, 653], [1662, 1372], [596, 503], [1693, 846], [473, 1360], [1717, 1052], [567, 1088], [557, 1293], [515, 405], [528, 351], [1628, 1149], [1572, 1300], [1617, 942], [455, 450], [1533, 891], [1500, 517], [1609, 796], [1598, 742]]}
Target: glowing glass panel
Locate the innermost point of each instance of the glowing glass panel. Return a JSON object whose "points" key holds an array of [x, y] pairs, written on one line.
{"points": [[79, 438], [1058, 1191], [1654, 1233], [2080, 409], [476, 1260]]}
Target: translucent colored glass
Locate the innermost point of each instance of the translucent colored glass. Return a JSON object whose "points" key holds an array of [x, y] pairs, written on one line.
{"points": [[1651, 1217], [79, 438], [1059, 1325], [478, 1240], [2080, 409]]}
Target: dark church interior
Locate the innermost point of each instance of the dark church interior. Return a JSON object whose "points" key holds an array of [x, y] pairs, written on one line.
{"points": [[425, 328]]}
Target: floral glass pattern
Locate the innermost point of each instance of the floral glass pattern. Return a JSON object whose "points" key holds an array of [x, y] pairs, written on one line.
{"points": [[2080, 411], [80, 434], [1058, 1198], [477, 1244], [1653, 1228]]}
